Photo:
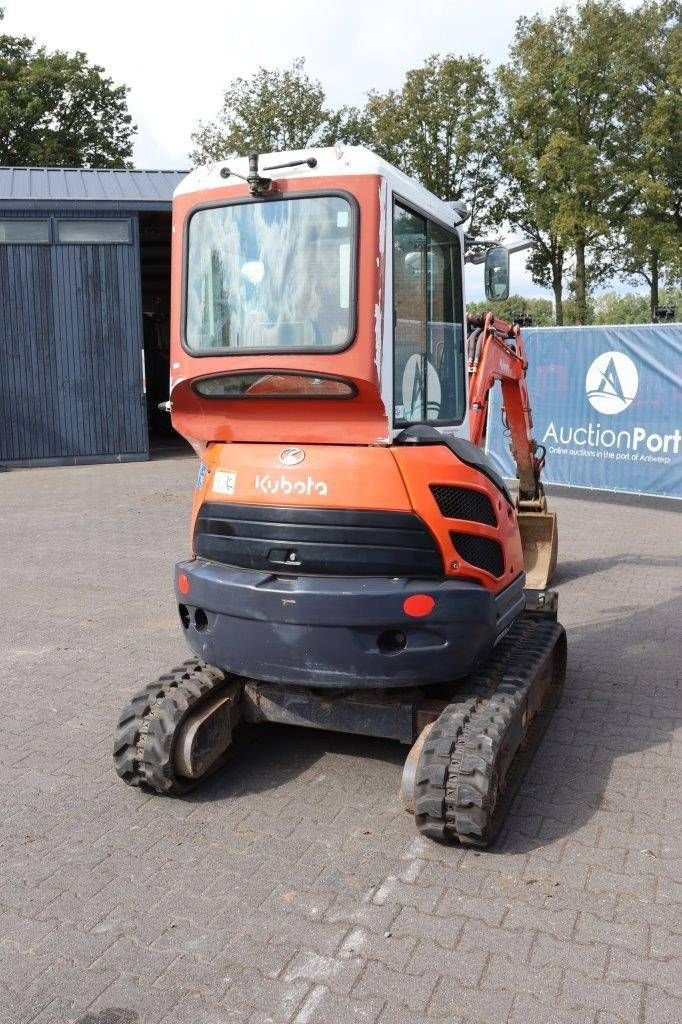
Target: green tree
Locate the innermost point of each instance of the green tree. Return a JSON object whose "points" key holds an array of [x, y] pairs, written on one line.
{"points": [[575, 316], [439, 128], [632, 307], [525, 133], [270, 111], [612, 308], [348, 125], [573, 108], [647, 239], [58, 110], [516, 305], [383, 127]]}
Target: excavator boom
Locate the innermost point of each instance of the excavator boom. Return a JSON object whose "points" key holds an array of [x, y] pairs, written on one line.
{"points": [[496, 352]]}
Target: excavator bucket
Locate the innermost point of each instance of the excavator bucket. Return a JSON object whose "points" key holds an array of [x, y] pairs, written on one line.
{"points": [[539, 541]]}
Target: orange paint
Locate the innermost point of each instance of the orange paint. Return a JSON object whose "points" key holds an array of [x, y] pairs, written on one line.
{"points": [[338, 476], [383, 478], [348, 461], [361, 420], [422, 467]]}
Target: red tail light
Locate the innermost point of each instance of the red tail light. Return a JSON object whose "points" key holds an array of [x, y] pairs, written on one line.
{"points": [[418, 605]]}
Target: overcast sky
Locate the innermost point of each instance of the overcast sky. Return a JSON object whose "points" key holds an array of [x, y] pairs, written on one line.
{"points": [[177, 59]]}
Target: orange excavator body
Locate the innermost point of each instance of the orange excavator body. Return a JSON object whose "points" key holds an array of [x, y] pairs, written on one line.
{"points": [[378, 421], [362, 422], [382, 478], [356, 561]]}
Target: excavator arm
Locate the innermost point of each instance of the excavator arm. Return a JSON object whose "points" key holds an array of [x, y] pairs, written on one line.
{"points": [[496, 352]]}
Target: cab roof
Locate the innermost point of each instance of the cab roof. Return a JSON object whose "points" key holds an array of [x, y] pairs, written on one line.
{"points": [[332, 161]]}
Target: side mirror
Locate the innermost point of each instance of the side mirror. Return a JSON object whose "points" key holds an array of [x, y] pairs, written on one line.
{"points": [[496, 274]]}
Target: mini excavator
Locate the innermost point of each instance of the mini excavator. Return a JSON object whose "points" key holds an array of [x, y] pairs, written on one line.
{"points": [[357, 563]]}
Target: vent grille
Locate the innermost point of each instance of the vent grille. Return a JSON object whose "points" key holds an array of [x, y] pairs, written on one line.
{"points": [[483, 552], [317, 541], [463, 503]]}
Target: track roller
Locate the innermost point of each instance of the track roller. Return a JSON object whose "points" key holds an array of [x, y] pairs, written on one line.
{"points": [[177, 729]]}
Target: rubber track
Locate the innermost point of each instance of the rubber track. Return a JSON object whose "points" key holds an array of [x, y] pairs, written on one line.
{"points": [[145, 733], [479, 747]]}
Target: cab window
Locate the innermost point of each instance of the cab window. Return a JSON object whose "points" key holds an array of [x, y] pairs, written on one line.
{"points": [[271, 276], [428, 356]]}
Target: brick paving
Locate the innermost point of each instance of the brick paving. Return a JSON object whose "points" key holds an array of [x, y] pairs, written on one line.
{"points": [[291, 887]]}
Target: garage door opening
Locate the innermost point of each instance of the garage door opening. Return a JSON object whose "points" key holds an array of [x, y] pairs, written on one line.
{"points": [[155, 262]]}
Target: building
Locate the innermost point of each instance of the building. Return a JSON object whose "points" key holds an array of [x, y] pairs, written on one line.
{"points": [[84, 304]]}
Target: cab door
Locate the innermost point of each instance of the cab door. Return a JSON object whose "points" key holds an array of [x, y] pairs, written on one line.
{"points": [[429, 370]]}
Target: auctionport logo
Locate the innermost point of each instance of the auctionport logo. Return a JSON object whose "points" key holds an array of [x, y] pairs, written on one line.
{"points": [[611, 383]]}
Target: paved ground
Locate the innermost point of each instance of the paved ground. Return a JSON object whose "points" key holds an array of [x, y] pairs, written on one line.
{"points": [[292, 887]]}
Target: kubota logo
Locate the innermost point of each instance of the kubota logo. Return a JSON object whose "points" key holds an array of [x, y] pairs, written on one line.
{"points": [[611, 382], [283, 485], [291, 456]]}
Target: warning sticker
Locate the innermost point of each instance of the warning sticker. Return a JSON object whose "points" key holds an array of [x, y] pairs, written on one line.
{"points": [[224, 481]]}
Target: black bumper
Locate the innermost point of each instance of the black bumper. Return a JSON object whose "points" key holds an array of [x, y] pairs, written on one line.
{"points": [[347, 632]]}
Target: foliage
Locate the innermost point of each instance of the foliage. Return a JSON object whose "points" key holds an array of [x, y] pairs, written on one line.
{"points": [[540, 309], [633, 308], [58, 110], [575, 316], [348, 125], [564, 88], [604, 308], [647, 238], [450, 106], [270, 111], [576, 143], [579, 87], [610, 308], [525, 202], [439, 128]]}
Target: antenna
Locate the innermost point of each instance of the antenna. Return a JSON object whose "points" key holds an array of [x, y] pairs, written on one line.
{"points": [[258, 186]]}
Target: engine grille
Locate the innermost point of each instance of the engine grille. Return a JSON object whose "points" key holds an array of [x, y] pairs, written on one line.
{"points": [[317, 541], [483, 552], [463, 503]]}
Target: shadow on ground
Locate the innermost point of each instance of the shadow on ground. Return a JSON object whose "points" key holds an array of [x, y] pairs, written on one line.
{"points": [[592, 566], [595, 724], [273, 755]]}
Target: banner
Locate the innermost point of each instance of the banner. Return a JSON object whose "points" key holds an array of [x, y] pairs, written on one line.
{"points": [[606, 404]]}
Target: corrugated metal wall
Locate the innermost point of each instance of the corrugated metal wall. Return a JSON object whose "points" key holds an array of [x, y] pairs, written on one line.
{"points": [[70, 350]]}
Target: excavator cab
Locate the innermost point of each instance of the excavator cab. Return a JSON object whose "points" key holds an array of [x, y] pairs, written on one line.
{"points": [[355, 561], [341, 279]]}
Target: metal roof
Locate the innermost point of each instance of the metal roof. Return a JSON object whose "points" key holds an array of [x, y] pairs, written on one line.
{"points": [[43, 187]]}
